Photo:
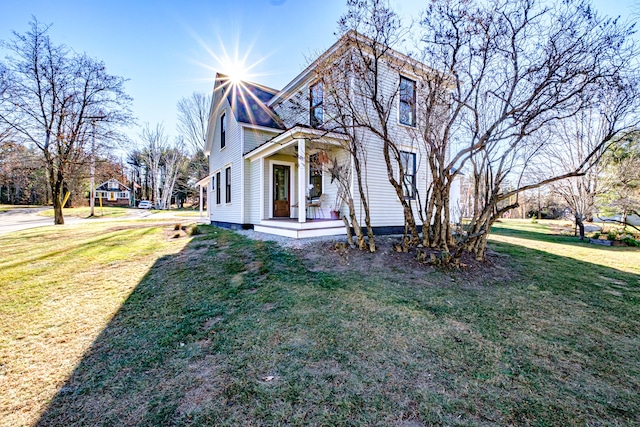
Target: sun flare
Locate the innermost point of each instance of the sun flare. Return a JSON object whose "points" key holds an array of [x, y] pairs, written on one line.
{"points": [[232, 58], [236, 70]]}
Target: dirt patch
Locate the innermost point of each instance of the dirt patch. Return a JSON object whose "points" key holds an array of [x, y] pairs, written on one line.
{"points": [[403, 267], [206, 385]]}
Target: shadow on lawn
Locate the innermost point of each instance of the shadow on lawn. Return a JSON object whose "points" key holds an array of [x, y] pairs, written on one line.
{"points": [[233, 332]]}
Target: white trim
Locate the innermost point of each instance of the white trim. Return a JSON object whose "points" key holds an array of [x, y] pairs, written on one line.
{"points": [[242, 219], [226, 126], [204, 181], [291, 193], [262, 128], [215, 191], [261, 181], [302, 179], [290, 137], [230, 166], [298, 230], [415, 92]]}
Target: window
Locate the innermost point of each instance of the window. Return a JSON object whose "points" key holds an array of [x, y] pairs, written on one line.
{"points": [[223, 131], [409, 180], [316, 105], [315, 176], [218, 188], [407, 113], [227, 185]]}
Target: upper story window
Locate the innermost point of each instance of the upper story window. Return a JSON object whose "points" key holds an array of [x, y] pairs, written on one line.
{"points": [[408, 161], [315, 109], [315, 176], [407, 113], [223, 130]]}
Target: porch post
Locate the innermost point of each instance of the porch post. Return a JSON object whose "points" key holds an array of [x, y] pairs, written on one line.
{"points": [[261, 181], [201, 194], [302, 182]]}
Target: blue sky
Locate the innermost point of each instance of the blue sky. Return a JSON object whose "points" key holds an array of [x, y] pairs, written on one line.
{"points": [[168, 49]]}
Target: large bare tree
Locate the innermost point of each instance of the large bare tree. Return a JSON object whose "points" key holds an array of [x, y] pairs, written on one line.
{"points": [[508, 72], [360, 103], [51, 98]]}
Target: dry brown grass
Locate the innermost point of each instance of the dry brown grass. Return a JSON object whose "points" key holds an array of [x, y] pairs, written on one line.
{"points": [[60, 288]]}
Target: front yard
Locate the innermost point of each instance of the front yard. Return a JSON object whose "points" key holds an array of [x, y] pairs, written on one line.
{"points": [[123, 324]]}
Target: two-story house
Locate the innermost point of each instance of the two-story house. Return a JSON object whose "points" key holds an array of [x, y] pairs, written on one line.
{"points": [[267, 148]]}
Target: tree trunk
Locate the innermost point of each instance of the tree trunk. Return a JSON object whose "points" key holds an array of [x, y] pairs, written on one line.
{"points": [[56, 181], [581, 228]]}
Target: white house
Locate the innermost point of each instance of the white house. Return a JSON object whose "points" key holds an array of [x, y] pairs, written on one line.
{"points": [[264, 147]]}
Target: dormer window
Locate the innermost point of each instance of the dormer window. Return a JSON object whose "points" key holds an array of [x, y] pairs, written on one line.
{"points": [[315, 109], [223, 130], [407, 113]]}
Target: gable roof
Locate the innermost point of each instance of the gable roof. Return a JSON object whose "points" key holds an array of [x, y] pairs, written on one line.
{"points": [[249, 102], [348, 39], [121, 186]]}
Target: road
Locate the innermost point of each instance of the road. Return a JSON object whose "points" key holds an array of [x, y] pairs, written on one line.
{"points": [[25, 218]]}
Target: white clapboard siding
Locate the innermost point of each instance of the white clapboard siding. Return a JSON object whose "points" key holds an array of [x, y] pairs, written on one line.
{"points": [[219, 159]]}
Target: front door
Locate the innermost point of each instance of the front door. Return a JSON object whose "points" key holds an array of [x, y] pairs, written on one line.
{"points": [[281, 191]]}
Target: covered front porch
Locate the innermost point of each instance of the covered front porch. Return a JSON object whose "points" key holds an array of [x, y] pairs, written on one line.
{"points": [[296, 195]]}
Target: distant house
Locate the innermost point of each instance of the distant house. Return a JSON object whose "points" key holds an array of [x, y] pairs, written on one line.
{"points": [[264, 146], [113, 193]]}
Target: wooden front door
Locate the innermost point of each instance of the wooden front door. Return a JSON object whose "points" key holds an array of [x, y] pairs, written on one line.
{"points": [[281, 191]]}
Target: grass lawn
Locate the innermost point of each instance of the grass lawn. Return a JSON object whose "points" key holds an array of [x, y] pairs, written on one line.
{"points": [[103, 324], [84, 212]]}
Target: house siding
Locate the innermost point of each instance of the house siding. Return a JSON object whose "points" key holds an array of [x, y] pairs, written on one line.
{"points": [[253, 192], [294, 109], [248, 206], [220, 159], [255, 137]]}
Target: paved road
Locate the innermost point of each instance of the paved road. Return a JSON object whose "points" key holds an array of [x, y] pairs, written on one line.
{"points": [[22, 219], [25, 218]]}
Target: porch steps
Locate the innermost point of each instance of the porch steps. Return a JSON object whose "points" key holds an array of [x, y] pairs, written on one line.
{"points": [[299, 230]]}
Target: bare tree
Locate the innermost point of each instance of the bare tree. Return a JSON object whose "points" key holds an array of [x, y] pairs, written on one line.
{"points": [[155, 143], [509, 72], [193, 117], [49, 99], [163, 163], [361, 104], [575, 139]]}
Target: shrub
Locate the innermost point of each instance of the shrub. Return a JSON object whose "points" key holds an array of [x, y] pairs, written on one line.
{"points": [[193, 230], [612, 234], [630, 241], [596, 235]]}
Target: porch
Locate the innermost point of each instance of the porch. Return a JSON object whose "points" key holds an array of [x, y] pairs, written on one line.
{"points": [[291, 227], [294, 194]]}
